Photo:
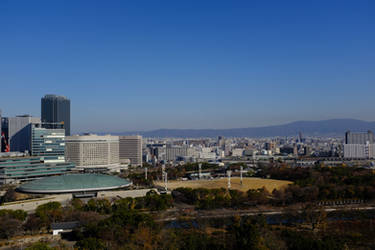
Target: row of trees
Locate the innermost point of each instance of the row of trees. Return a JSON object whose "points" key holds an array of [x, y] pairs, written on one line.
{"points": [[310, 185], [152, 202], [221, 198], [322, 183], [17, 222], [218, 198], [130, 230]]}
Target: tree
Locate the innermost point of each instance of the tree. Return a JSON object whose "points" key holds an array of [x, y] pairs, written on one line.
{"points": [[156, 202], [77, 204], [258, 196], [102, 206], [10, 195], [33, 224], [49, 212], [9, 227], [15, 214], [126, 203], [90, 244], [315, 216], [248, 234], [143, 238]]}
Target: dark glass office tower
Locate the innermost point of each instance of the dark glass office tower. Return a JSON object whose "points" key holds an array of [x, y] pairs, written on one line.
{"points": [[56, 109]]}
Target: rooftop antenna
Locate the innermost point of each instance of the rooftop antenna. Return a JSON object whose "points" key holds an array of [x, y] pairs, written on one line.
{"points": [[229, 172]]}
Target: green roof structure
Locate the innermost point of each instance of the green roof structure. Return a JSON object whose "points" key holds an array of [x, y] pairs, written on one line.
{"points": [[72, 183]]}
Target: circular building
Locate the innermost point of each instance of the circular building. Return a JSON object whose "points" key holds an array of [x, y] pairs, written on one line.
{"points": [[74, 183]]}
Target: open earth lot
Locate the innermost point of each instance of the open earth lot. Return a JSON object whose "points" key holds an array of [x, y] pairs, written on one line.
{"points": [[248, 183]]}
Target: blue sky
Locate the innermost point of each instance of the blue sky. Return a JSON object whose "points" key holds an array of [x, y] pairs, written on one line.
{"points": [[141, 65]]}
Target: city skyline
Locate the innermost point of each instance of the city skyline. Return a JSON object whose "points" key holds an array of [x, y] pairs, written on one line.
{"points": [[195, 65]]}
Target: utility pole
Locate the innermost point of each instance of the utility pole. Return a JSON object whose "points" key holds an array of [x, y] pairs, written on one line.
{"points": [[241, 169], [162, 171], [229, 172], [166, 181], [200, 171]]}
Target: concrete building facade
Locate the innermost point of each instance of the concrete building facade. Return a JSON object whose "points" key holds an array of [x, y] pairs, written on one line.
{"points": [[172, 152], [18, 169], [93, 151], [359, 145], [130, 147], [359, 137], [48, 142], [17, 131], [359, 151]]}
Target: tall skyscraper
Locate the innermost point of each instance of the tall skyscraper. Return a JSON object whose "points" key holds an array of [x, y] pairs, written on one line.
{"points": [[131, 148], [56, 109]]}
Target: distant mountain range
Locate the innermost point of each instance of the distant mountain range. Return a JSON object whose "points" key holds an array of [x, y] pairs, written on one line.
{"points": [[334, 127]]}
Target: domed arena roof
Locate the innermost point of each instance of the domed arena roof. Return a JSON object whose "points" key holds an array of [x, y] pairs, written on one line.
{"points": [[72, 183]]}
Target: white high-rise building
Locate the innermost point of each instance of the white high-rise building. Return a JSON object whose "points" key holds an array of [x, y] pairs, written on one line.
{"points": [[131, 149], [359, 145], [93, 151], [360, 151]]}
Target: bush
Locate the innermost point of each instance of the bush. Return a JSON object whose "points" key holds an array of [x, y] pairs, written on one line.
{"points": [[90, 244], [101, 206], [49, 212], [15, 214], [39, 246]]}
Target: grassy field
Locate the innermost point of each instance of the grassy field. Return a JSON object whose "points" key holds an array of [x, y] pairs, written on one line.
{"points": [[248, 183]]}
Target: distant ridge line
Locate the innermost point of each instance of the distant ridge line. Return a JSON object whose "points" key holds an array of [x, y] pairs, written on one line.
{"points": [[332, 127]]}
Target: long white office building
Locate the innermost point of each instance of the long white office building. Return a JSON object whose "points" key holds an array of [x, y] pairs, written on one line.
{"points": [[93, 152]]}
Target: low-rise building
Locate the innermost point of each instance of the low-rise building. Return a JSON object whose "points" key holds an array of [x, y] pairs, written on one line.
{"points": [[237, 152], [19, 169]]}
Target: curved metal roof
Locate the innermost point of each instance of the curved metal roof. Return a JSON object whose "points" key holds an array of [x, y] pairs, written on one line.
{"points": [[71, 183]]}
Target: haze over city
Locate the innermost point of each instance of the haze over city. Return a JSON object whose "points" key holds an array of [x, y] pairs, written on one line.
{"points": [[129, 66]]}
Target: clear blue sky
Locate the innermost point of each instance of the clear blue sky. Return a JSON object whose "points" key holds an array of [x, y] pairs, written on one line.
{"points": [[141, 65]]}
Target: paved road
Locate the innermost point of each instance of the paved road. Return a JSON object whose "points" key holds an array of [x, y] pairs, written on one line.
{"points": [[230, 213], [64, 199], [32, 204]]}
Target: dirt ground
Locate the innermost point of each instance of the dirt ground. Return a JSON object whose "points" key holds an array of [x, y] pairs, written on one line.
{"points": [[248, 183]]}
